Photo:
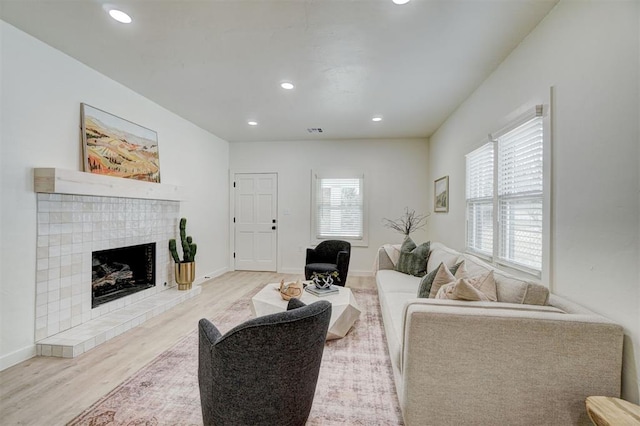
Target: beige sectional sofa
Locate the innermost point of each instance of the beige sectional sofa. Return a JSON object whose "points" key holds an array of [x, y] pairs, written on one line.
{"points": [[528, 359]]}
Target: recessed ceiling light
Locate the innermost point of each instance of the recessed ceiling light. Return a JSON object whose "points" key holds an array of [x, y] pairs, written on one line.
{"points": [[376, 119], [252, 123], [287, 86], [120, 16], [401, 1]]}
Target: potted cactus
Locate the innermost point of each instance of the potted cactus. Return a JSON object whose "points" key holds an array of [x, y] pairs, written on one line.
{"points": [[185, 269]]}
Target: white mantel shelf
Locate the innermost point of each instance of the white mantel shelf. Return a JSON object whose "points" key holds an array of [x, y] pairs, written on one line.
{"points": [[60, 181]]}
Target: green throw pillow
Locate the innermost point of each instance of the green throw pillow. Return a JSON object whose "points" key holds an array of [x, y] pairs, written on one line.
{"points": [[425, 284], [408, 245], [413, 260], [455, 267]]}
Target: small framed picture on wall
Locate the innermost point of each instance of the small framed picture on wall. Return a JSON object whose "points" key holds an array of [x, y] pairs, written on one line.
{"points": [[441, 195]]}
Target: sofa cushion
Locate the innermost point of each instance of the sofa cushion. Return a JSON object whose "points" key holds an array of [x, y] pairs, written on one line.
{"points": [[413, 260], [478, 288], [515, 290], [474, 265], [441, 254], [390, 281], [510, 288], [444, 276]]}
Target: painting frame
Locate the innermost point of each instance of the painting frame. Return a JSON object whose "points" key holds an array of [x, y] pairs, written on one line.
{"points": [[441, 195], [114, 146]]}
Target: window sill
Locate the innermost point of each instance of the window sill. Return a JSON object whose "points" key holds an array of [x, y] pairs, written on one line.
{"points": [[354, 243]]}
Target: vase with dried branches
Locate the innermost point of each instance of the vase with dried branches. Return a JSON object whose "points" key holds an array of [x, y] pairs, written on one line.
{"points": [[407, 223]]}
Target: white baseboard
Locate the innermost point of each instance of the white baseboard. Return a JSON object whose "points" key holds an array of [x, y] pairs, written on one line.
{"points": [[211, 275], [295, 271], [300, 271], [357, 273], [16, 357]]}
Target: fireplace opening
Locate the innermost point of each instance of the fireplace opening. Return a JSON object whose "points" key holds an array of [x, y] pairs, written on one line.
{"points": [[122, 271]]}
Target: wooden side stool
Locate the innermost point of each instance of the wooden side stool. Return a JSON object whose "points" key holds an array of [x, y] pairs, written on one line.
{"points": [[608, 411]]}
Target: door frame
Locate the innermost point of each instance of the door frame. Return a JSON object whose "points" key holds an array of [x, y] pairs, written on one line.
{"points": [[232, 213]]}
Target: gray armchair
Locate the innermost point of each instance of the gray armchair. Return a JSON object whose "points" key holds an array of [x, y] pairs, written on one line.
{"points": [[264, 371], [329, 256]]}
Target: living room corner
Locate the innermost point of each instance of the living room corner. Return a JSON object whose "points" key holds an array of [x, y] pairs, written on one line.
{"points": [[594, 215], [190, 158]]}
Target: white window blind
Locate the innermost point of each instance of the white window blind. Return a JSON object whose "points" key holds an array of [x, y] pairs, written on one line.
{"points": [[339, 208], [520, 195], [479, 195], [505, 195]]}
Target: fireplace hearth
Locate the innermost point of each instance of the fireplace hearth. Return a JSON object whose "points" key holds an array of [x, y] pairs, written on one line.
{"points": [[122, 271]]}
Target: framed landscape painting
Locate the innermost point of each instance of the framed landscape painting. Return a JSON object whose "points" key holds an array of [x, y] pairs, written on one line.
{"points": [[441, 195], [117, 147]]}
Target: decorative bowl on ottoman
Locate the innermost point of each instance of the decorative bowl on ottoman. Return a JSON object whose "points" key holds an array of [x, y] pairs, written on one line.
{"points": [[287, 291]]}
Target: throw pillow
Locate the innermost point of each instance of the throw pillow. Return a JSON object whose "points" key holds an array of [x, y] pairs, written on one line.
{"points": [[407, 244], [444, 277], [413, 260], [427, 281], [459, 269], [478, 288]]}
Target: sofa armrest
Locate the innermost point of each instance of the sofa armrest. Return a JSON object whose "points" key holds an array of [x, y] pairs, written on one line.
{"points": [[473, 363], [383, 261]]}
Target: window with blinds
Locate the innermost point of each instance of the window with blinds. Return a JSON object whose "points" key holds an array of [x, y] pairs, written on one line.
{"points": [[520, 195], [338, 208], [505, 195], [479, 196]]}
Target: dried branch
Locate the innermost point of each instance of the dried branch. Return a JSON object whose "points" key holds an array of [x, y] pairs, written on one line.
{"points": [[408, 223]]}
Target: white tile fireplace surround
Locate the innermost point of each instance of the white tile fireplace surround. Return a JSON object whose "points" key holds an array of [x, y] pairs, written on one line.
{"points": [[71, 227]]}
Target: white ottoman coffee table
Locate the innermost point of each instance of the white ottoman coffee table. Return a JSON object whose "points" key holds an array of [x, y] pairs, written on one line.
{"points": [[344, 308]]}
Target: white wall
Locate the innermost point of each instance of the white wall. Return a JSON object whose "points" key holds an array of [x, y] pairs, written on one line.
{"points": [[41, 91], [588, 51], [395, 178]]}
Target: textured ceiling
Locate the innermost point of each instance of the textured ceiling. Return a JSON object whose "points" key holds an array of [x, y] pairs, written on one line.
{"points": [[219, 63]]}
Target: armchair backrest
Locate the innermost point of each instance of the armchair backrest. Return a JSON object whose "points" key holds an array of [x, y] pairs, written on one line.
{"points": [[265, 370], [327, 251]]}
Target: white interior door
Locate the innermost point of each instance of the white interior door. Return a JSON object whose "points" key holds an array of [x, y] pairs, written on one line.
{"points": [[256, 230]]}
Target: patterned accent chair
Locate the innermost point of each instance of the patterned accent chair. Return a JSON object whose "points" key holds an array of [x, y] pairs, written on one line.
{"points": [[329, 256], [264, 371]]}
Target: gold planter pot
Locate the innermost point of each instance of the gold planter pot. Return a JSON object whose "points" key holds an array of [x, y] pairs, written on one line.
{"points": [[185, 274]]}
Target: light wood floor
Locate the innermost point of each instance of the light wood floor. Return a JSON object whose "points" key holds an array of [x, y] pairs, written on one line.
{"points": [[52, 391]]}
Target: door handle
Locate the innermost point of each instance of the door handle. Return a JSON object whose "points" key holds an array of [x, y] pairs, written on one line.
{"points": [[273, 227]]}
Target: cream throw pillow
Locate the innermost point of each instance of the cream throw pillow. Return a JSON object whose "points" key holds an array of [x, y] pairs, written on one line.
{"points": [[478, 288], [444, 277]]}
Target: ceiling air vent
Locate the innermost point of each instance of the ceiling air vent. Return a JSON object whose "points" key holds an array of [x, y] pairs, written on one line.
{"points": [[315, 130]]}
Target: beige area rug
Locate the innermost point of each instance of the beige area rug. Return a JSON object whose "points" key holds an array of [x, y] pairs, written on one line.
{"points": [[355, 386]]}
